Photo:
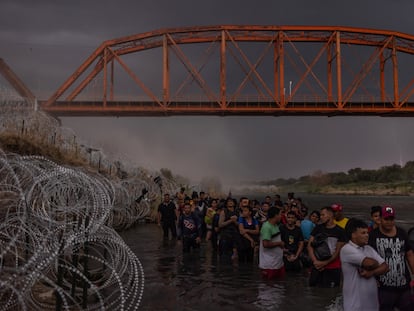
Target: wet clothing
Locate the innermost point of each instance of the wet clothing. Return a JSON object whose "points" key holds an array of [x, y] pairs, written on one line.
{"points": [[334, 235], [393, 250], [180, 200], [244, 249], [390, 298], [270, 274], [359, 293], [331, 275], [394, 286], [208, 219], [190, 230], [189, 226], [325, 278], [215, 231], [291, 238], [229, 235], [270, 258], [200, 211], [168, 218]]}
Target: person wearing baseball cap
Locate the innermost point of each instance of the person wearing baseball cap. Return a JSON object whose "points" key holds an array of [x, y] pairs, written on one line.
{"points": [[392, 243], [340, 219], [387, 212]]}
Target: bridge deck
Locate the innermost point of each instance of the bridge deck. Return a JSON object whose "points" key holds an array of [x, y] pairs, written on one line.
{"points": [[258, 108]]}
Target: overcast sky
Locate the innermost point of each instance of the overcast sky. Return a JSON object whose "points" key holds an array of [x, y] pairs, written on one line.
{"points": [[45, 41]]}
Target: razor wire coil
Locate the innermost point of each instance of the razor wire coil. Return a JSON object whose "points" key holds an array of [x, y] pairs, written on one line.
{"points": [[59, 248]]}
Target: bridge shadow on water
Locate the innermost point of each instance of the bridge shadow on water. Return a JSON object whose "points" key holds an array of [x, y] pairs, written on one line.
{"points": [[200, 281]]}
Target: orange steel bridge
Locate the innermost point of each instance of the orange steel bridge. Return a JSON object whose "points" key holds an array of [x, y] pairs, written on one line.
{"points": [[244, 70]]}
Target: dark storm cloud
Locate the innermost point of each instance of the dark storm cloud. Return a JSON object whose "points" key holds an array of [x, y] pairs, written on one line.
{"points": [[45, 41], [108, 19], [246, 148]]}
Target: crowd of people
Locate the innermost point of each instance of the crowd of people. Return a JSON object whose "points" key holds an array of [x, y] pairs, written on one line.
{"points": [[372, 261]]}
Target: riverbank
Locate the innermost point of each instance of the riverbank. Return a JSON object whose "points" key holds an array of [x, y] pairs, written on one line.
{"points": [[371, 189], [377, 189]]}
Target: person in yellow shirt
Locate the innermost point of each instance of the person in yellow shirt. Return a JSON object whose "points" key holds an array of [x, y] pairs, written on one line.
{"points": [[339, 217], [208, 219]]}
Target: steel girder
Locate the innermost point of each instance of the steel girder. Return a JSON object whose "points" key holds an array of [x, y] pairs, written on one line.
{"points": [[315, 91]]}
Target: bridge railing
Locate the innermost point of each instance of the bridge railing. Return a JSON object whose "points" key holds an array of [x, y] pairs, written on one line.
{"points": [[248, 98]]}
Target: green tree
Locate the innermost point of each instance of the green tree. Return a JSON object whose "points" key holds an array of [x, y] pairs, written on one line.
{"points": [[408, 171], [390, 173], [354, 174], [339, 178], [319, 178]]}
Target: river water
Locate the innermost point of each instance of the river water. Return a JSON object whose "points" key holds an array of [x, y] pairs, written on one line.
{"points": [[202, 282]]}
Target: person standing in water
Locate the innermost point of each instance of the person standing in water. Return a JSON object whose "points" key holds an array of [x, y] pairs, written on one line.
{"points": [[360, 265]]}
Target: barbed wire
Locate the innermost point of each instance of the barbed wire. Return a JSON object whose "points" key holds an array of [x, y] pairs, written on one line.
{"points": [[59, 246]]}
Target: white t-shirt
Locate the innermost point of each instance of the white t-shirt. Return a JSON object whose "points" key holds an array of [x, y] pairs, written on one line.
{"points": [[270, 258], [359, 293]]}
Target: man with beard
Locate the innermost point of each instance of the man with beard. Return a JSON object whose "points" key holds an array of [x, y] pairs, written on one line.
{"points": [[326, 271], [190, 229]]}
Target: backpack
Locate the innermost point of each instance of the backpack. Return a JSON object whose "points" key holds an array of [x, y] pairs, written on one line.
{"points": [[321, 247]]}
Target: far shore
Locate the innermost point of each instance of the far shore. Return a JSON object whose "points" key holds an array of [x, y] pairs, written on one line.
{"points": [[364, 192], [271, 190]]}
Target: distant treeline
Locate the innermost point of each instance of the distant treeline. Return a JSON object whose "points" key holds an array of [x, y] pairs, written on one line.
{"points": [[385, 175]]}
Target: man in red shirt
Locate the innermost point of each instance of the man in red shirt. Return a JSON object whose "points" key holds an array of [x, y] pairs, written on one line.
{"points": [[326, 272]]}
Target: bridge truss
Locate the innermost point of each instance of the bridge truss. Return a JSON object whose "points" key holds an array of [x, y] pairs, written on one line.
{"points": [[244, 70]]}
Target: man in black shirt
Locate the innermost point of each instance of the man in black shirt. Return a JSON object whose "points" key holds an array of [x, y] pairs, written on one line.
{"points": [[326, 272], [293, 238], [167, 216], [392, 244]]}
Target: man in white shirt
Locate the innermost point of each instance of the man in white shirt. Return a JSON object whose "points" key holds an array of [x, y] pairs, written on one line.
{"points": [[360, 264]]}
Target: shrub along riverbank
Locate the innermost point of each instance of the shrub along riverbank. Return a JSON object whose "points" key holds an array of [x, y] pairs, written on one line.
{"points": [[387, 180]]}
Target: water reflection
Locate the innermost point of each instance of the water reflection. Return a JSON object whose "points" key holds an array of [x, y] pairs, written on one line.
{"points": [[166, 269], [200, 281], [270, 296]]}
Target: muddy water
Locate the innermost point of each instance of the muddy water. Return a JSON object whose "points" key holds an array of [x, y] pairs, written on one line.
{"points": [[202, 282]]}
